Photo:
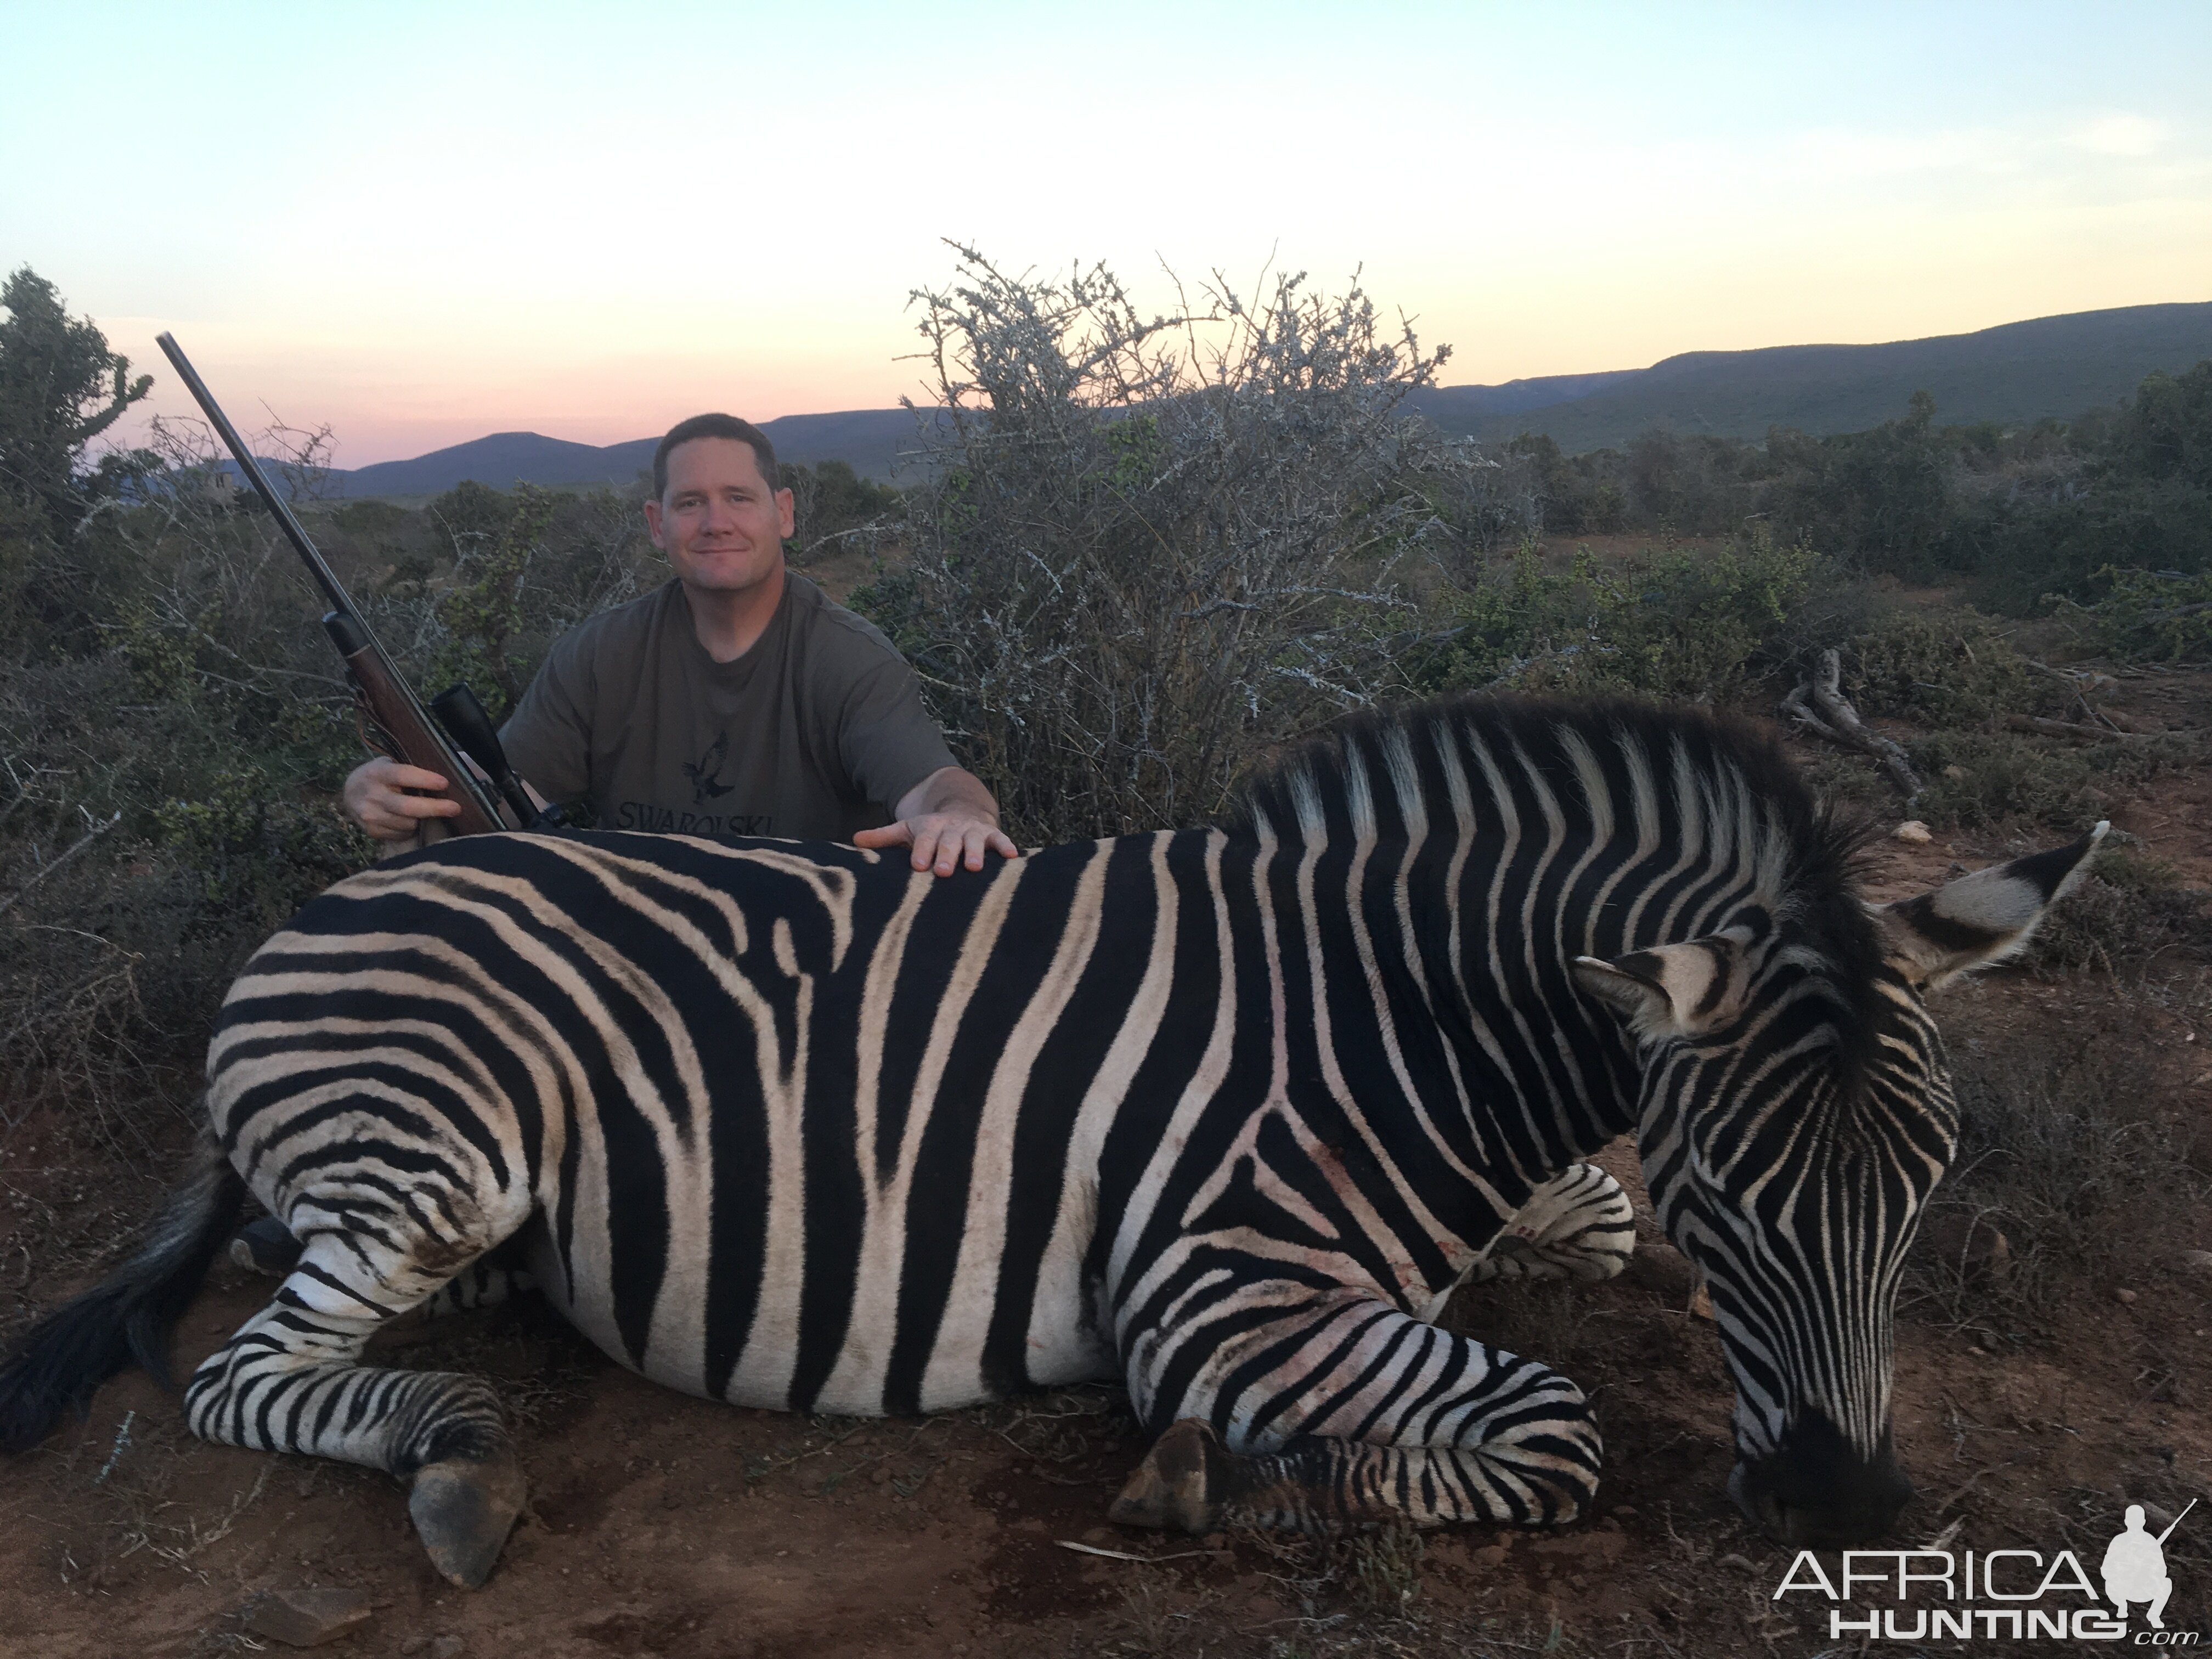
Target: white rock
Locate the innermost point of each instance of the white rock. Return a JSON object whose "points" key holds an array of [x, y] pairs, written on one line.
{"points": [[1914, 831]]}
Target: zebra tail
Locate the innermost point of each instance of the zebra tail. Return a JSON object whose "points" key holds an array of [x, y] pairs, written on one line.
{"points": [[63, 1359]]}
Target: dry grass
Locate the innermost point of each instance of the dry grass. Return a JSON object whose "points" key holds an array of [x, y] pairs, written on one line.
{"points": [[2074, 1147], [2133, 909]]}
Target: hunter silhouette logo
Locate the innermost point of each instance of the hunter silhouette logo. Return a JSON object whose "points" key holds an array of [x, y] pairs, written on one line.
{"points": [[705, 773], [2134, 1566]]}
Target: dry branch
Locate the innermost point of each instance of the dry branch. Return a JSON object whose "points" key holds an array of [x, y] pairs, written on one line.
{"points": [[1839, 723], [83, 841], [2039, 726]]}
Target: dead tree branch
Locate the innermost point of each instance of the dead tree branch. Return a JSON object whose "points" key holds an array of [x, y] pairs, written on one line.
{"points": [[83, 841], [2038, 726], [1839, 723]]}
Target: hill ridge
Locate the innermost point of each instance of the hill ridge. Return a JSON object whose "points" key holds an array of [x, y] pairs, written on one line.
{"points": [[2014, 372]]}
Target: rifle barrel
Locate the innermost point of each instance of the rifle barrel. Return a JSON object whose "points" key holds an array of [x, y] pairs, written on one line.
{"points": [[2176, 1522], [278, 507], [371, 666]]}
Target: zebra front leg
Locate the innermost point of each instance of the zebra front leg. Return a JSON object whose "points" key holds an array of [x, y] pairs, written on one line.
{"points": [[1356, 1414], [290, 1381], [1579, 1224]]}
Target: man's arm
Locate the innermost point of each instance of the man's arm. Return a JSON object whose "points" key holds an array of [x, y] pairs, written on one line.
{"points": [[949, 818]]}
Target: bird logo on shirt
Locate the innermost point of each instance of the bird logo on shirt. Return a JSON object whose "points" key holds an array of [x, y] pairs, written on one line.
{"points": [[704, 773]]}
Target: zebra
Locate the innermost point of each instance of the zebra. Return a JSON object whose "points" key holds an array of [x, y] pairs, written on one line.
{"points": [[1223, 1113]]}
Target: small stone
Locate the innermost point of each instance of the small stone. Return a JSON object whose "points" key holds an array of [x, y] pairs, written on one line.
{"points": [[1955, 772], [2127, 1296], [1914, 830], [882, 1475], [446, 1647], [1626, 1511], [413, 1645], [2198, 1261], [1741, 1563], [309, 1617]]}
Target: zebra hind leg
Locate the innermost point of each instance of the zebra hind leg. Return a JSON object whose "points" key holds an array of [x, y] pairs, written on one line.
{"points": [[1578, 1225], [485, 1283], [290, 1381]]}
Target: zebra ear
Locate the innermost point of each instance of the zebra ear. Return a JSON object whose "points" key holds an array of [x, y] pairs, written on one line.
{"points": [[1670, 990], [1982, 918]]}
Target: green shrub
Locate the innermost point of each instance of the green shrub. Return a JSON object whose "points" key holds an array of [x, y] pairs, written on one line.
{"points": [[1981, 780], [2131, 909], [171, 677], [1978, 779], [1947, 669], [1676, 624], [2024, 554], [2160, 616], [371, 518]]}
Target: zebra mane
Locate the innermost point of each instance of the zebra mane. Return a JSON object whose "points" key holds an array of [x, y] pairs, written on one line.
{"points": [[1822, 852]]}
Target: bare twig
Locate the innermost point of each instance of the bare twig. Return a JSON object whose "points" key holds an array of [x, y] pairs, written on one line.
{"points": [[2072, 683], [1839, 723], [83, 841], [1126, 1555], [2049, 728]]}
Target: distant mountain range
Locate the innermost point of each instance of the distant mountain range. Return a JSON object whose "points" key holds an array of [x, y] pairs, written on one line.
{"points": [[869, 440], [2016, 373]]}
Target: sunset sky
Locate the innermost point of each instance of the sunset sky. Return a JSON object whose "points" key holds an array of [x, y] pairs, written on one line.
{"points": [[421, 223]]}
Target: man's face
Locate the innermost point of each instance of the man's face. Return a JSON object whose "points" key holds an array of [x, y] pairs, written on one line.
{"points": [[720, 524]]}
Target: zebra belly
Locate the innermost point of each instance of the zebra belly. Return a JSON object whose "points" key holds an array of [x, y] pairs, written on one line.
{"points": [[1064, 1345]]}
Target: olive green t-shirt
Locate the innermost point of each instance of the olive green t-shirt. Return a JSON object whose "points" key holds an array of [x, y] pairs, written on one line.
{"points": [[815, 732]]}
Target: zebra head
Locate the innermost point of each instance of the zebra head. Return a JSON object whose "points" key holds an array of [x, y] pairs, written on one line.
{"points": [[1796, 1113]]}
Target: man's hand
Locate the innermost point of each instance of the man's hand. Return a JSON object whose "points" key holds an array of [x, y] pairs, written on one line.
{"points": [[375, 799], [949, 819]]}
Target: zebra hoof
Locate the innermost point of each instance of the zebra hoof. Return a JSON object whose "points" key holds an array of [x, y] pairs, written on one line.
{"points": [[463, 1511], [1175, 1486]]}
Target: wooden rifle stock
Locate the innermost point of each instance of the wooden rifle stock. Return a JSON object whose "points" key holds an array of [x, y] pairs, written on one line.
{"points": [[396, 721], [403, 730]]}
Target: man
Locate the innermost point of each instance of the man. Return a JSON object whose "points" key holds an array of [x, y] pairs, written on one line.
{"points": [[735, 700]]}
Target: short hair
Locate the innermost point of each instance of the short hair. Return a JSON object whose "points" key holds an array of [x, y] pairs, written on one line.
{"points": [[713, 426]]}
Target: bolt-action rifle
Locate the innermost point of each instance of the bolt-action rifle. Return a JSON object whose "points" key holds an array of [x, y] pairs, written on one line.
{"points": [[394, 720]]}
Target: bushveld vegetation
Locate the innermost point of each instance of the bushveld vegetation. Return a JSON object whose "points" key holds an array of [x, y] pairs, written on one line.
{"points": [[1143, 553]]}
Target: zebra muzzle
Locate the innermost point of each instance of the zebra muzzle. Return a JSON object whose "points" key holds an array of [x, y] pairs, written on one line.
{"points": [[1814, 1493]]}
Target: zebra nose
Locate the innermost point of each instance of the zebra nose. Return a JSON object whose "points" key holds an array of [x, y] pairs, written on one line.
{"points": [[1815, 1491]]}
